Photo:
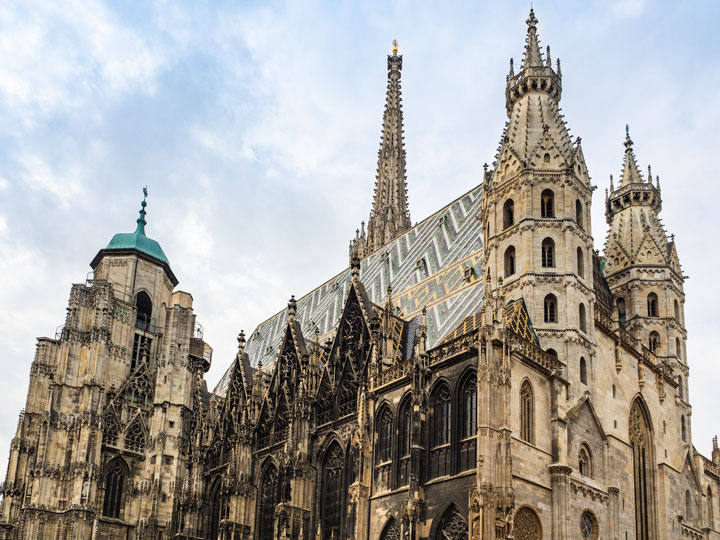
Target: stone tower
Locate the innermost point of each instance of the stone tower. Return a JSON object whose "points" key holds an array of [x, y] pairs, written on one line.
{"points": [[103, 441], [643, 270], [389, 216], [536, 214]]}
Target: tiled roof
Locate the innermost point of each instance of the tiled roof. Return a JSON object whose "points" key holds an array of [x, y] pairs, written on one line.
{"points": [[435, 264]]}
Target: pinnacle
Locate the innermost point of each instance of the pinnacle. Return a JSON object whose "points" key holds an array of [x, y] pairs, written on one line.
{"points": [[631, 173], [533, 56]]}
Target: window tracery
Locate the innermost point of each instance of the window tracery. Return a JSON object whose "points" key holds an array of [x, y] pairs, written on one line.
{"points": [[527, 413], [641, 442], [452, 526], [332, 492], [440, 432], [135, 436], [584, 462], [384, 448], [268, 501], [404, 443], [391, 530], [527, 525], [111, 428], [114, 488], [468, 433]]}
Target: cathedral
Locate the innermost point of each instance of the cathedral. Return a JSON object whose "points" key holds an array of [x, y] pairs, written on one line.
{"points": [[482, 374]]}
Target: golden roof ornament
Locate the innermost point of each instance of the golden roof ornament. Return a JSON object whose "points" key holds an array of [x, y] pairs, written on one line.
{"points": [[395, 46]]}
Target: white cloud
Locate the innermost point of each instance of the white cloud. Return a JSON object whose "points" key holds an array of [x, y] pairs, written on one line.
{"points": [[58, 55]]}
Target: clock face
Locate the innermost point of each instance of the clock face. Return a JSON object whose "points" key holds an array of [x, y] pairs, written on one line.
{"points": [[586, 526]]}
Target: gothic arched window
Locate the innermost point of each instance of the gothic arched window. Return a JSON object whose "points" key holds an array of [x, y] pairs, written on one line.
{"points": [[583, 370], [527, 525], [509, 261], [583, 318], [550, 309], [452, 526], [548, 253], [508, 213], [404, 443], [115, 477], [527, 413], [654, 342], [579, 214], [683, 429], [547, 204], [440, 432], [677, 311], [385, 435], [269, 498], [333, 489], [391, 530], [652, 305], [580, 263], [681, 390], [643, 467], [468, 430], [678, 351], [384, 448], [143, 303], [585, 462]]}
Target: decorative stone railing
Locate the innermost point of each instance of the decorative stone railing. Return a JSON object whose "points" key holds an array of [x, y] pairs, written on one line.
{"points": [[688, 531], [392, 373], [536, 354]]}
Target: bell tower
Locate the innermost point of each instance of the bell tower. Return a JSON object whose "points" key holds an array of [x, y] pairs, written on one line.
{"points": [[536, 215], [642, 266]]}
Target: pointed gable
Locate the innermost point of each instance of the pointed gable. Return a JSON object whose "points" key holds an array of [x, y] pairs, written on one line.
{"points": [[517, 319]]}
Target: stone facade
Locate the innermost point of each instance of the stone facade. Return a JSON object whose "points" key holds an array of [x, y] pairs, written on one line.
{"points": [[515, 387]]}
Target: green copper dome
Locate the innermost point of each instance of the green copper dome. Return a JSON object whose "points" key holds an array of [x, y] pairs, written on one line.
{"points": [[138, 240]]}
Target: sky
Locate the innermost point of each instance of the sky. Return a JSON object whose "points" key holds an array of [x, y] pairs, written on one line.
{"points": [[255, 126]]}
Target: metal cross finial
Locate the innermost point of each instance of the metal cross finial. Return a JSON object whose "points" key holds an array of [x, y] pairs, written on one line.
{"points": [[145, 192]]}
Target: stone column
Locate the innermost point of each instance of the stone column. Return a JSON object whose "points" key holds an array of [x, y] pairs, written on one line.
{"points": [[560, 484]]}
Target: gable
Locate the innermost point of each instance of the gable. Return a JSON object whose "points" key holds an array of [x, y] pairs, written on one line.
{"points": [[517, 319]]}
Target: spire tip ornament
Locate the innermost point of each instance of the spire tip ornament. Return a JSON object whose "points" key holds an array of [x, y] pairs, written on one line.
{"points": [[395, 47]]}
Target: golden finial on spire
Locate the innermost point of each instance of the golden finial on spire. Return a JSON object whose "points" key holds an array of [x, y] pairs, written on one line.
{"points": [[395, 46]]}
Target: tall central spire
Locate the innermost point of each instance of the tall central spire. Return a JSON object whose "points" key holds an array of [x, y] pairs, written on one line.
{"points": [[389, 216]]}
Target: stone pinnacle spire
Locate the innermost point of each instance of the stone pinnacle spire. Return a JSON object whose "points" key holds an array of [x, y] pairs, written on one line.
{"points": [[631, 172], [532, 57], [389, 216], [532, 97]]}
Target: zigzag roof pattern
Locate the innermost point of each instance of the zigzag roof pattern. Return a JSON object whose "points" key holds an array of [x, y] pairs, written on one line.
{"points": [[436, 264]]}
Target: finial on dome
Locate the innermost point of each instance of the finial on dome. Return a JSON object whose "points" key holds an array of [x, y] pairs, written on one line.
{"points": [[141, 220], [395, 47]]}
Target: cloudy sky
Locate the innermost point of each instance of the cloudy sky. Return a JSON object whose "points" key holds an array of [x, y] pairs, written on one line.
{"points": [[255, 126]]}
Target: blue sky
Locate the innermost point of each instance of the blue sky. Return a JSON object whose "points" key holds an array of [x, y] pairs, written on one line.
{"points": [[255, 126]]}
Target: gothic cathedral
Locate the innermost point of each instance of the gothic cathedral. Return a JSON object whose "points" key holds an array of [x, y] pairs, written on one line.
{"points": [[482, 374]]}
